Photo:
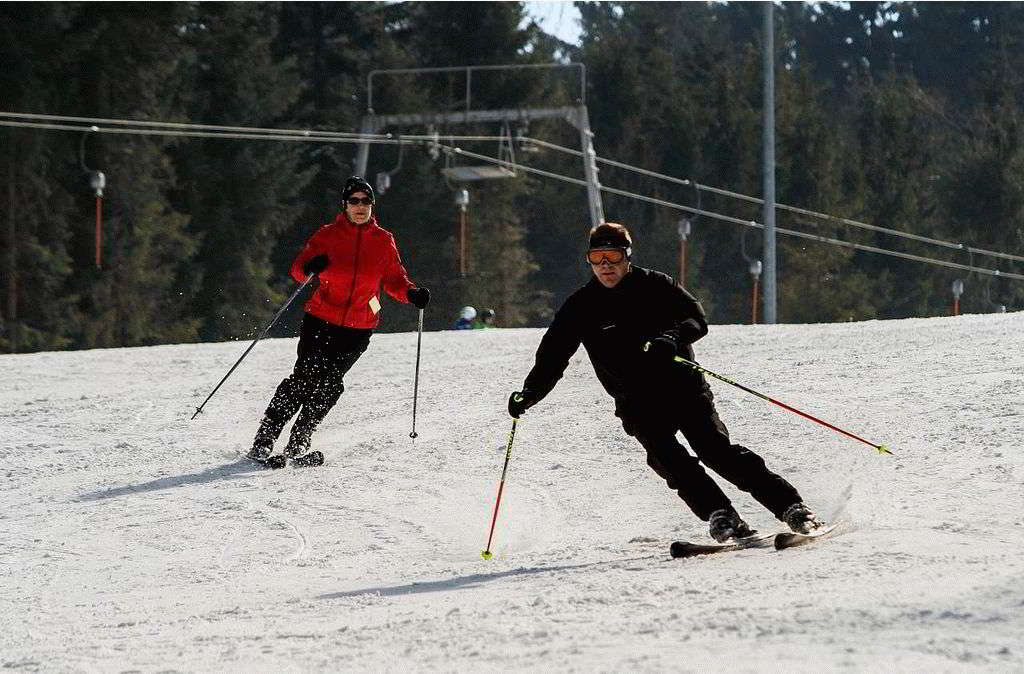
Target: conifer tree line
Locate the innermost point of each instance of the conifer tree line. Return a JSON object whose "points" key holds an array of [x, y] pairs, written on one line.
{"points": [[906, 116]]}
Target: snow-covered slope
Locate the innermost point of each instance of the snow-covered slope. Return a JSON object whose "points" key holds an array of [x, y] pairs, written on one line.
{"points": [[132, 538]]}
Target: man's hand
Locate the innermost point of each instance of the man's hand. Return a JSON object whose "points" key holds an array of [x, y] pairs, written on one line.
{"points": [[315, 265], [519, 402], [661, 349], [418, 297]]}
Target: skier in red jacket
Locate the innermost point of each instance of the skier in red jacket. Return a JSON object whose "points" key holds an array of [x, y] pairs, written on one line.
{"points": [[354, 258]]}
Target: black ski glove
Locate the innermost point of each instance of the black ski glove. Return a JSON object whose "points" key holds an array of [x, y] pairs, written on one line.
{"points": [[519, 402], [419, 297], [661, 349], [315, 265]]}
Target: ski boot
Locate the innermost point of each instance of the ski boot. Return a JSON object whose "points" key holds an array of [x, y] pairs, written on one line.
{"points": [[800, 519], [314, 458], [266, 436], [726, 524], [298, 451], [260, 451], [261, 454]]}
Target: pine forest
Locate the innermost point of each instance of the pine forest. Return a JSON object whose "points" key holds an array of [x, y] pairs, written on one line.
{"points": [[903, 116]]}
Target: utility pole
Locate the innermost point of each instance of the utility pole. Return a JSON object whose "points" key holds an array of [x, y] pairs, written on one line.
{"points": [[582, 123], [755, 274], [12, 262], [768, 169], [684, 234], [462, 201]]}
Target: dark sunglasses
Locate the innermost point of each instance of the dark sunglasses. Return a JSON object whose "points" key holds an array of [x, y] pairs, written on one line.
{"points": [[355, 201]]}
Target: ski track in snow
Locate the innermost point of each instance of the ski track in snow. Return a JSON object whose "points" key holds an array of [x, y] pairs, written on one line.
{"points": [[132, 538]]}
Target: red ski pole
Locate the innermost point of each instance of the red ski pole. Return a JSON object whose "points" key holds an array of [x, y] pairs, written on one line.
{"points": [[486, 554], [881, 449]]}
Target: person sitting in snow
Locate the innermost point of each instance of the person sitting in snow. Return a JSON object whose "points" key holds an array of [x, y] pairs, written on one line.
{"points": [[485, 320], [633, 322]]}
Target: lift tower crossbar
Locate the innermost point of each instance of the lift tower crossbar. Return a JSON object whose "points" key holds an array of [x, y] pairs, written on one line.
{"points": [[576, 115]]}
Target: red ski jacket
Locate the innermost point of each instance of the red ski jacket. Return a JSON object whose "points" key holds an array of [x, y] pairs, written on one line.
{"points": [[361, 259]]}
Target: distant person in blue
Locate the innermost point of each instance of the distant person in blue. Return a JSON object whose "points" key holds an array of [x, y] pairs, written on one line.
{"points": [[466, 316]]}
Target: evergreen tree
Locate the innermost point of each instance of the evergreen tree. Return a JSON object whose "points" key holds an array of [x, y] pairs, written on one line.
{"points": [[239, 194], [983, 203], [901, 148], [334, 46], [902, 115], [141, 293], [420, 208], [674, 94], [37, 219]]}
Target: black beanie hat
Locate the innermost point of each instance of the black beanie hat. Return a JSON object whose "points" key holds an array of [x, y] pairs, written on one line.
{"points": [[356, 184], [611, 235]]}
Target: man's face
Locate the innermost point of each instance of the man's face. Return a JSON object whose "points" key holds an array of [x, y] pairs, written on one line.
{"points": [[609, 265], [360, 211]]}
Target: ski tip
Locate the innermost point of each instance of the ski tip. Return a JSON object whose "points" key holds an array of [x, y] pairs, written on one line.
{"points": [[793, 539], [680, 549]]}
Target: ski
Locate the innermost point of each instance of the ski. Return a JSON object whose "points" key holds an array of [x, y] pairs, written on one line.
{"points": [[272, 462], [681, 549], [277, 461], [791, 540]]}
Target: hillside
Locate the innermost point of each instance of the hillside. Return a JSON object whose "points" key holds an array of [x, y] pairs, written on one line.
{"points": [[134, 539]]}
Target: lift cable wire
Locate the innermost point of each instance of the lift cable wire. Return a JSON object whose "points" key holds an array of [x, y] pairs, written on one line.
{"points": [[167, 129], [738, 221], [793, 209], [299, 134]]}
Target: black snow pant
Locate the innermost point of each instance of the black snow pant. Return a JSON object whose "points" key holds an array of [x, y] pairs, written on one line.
{"points": [[325, 353], [655, 427]]}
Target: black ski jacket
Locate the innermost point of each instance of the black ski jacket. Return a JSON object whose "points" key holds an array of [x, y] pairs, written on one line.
{"points": [[614, 324]]}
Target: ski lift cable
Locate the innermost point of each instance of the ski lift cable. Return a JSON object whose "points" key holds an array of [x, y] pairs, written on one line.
{"points": [[305, 137], [785, 207], [528, 169], [747, 223], [356, 137], [301, 133]]}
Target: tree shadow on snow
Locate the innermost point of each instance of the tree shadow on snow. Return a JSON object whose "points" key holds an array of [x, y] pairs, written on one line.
{"points": [[474, 580], [232, 471]]}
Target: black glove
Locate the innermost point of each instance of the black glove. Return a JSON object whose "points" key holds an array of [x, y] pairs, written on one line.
{"points": [[419, 297], [661, 349], [315, 265], [519, 402]]}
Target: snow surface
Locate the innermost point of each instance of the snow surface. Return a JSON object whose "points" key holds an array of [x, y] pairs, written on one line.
{"points": [[132, 538]]}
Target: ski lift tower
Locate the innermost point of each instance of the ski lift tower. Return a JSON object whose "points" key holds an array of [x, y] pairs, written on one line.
{"points": [[576, 115]]}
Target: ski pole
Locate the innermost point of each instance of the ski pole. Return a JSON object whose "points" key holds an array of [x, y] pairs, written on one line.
{"points": [[882, 449], [416, 380], [486, 554], [258, 338]]}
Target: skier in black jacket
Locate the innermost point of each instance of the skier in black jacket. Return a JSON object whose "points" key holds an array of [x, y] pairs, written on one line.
{"points": [[632, 322]]}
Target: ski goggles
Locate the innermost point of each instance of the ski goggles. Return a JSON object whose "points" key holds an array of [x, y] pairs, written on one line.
{"points": [[355, 201], [609, 255]]}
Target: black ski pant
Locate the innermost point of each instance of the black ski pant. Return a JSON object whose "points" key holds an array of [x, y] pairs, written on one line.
{"points": [[655, 427], [325, 353]]}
